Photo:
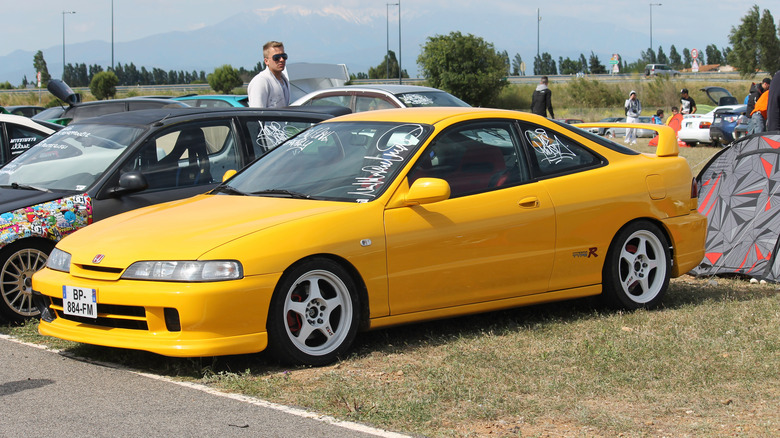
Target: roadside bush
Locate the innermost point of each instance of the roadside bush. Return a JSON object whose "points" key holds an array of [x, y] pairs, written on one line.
{"points": [[515, 97], [585, 93], [225, 79], [103, 85]]}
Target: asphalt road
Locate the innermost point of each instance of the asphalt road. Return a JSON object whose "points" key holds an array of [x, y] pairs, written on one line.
{"points": [[45, 394]]}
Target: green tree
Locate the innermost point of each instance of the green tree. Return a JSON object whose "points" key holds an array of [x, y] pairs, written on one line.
{"points": [[584, 64], [544, 65], [505, 56], [517, 63], [744, 43], [596, 67], [768, 43], [387, 69], [687, 58], [568, 66], [40, 66], [675, 60], [464, 65], [713, 54], [225, 79], [103, 85], [661, 57]]}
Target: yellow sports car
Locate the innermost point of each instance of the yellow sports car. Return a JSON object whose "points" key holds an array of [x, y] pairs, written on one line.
{"points": [[376, 219]]}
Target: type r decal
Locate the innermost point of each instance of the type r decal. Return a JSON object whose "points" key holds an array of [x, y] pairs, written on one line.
{"points": [[591, 252]]}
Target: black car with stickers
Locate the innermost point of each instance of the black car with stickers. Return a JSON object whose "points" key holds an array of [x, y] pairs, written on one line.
{"points": [[102, 166]]}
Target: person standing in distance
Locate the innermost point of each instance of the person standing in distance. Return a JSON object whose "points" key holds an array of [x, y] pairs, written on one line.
{"points": [[633, 108], [773, 104], [269, 88], [687, 104], [541, 101]]}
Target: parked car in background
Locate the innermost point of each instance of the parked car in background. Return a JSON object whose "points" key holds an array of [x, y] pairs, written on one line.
{"points": [[375, 219], [570, 121], [660, 70], [98, 167], [716, 96], [621, 132], [360, 98], [724, 122], [49, 114], [215, 100], [696, 127], [24, 110], [78, 110], [741, 129], [602, 131], [19, 133]]}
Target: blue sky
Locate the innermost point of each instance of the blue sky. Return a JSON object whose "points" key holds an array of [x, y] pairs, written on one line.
{"points": [[686, 23]]}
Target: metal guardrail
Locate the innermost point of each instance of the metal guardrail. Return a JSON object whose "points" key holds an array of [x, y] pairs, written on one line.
{"points": [[531, 79]]}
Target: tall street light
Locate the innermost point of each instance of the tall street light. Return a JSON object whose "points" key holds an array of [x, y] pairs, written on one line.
{"points": [[400, 75], [387, 52], [651, 23], [63, 40]]}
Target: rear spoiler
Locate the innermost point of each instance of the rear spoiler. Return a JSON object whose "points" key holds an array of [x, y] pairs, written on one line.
{"points": [[667, 138]]}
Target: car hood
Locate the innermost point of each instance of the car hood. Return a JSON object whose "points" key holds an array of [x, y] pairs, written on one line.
{"points": [[186, 229], [14, 199]]}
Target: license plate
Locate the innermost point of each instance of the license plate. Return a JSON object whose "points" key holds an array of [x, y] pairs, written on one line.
{"points": [[79, 301]]}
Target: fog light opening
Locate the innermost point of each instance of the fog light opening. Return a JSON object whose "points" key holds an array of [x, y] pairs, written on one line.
{"points": [[172, 322]]}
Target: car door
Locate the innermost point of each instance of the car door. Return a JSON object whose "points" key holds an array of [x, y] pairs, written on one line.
{"points": [[176, 162], [582, 197], [493, 239]]}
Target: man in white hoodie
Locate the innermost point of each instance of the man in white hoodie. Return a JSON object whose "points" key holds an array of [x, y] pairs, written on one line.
{"points": [[541, 102], [633, 108]]}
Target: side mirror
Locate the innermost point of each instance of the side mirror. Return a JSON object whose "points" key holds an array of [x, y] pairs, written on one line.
{"points": [[427, 191], [228, 174], [130, 182]]}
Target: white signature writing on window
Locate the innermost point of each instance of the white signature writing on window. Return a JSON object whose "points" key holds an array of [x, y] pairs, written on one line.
{"points": [[270, 134], [317, 133], [553, 150], [416, 100], [393, 146]]}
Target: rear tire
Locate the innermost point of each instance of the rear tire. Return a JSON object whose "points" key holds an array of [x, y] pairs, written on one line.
{"points": [[637, 268], [314, 314], [18, 262]]}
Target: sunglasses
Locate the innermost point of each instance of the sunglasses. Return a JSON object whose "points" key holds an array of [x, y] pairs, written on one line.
{"points": [[279, 56]]}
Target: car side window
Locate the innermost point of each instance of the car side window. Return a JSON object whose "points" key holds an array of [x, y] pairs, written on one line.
{"points": [[20, 139], [554, 154], [366, 103], [331, 101], [195, 154], [267, 134], [474, 158]]}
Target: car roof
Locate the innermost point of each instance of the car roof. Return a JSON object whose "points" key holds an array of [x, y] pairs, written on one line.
{"points": [[432, 115], [28, 122], [132, 99], [390, 88], [149, 116]]}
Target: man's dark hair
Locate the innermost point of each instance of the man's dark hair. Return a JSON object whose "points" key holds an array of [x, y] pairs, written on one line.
{"points": [[544, 80]]}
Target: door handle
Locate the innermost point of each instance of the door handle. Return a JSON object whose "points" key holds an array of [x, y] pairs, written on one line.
{"points": [[529, 202]]}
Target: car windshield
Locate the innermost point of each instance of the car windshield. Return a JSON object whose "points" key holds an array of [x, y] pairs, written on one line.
{"points": [[71, 159], [346, 161], [430, 98]]}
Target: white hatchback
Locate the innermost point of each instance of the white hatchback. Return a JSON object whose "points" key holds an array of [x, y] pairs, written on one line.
{"points": [[695, 128]]}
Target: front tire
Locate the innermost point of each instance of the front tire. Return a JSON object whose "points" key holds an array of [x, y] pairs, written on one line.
{"points": [[18, 262], [314, 314], [637, 268]]}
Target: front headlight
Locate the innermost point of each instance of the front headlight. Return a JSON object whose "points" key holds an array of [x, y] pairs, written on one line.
{"points": [[190, 271], [59, 260]]}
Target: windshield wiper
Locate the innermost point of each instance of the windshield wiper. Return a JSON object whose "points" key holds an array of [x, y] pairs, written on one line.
{"points": [[18, 186], [229, 190], [289, 193]]}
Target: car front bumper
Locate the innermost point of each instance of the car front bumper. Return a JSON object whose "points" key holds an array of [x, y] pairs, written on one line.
{"points": [[167, 318]]}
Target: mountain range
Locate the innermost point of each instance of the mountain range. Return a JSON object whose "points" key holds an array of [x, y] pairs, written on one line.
{"points": [[336, 38]]}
